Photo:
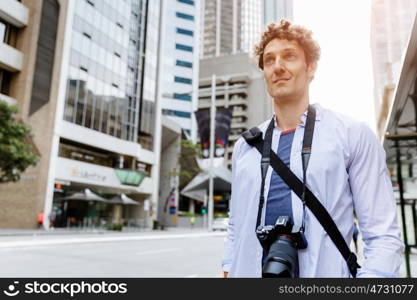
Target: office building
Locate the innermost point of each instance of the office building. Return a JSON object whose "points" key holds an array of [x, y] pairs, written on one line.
{"points": [[179, 62], [240, 87], [91, 100]]}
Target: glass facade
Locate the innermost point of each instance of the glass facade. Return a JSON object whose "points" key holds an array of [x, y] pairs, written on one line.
{"points": [[105, 66], [147, 111]]}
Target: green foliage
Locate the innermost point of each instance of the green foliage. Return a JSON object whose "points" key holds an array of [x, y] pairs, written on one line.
{"points": [[221, 215], [115, 227], [16, 154], [188, 162], [185, 214]]}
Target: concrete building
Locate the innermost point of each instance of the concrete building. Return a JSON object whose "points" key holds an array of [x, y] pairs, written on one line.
{"points": [[391, 23], [239, 86], [30, 51], [230, 30], [90, 92], [180, 37]]}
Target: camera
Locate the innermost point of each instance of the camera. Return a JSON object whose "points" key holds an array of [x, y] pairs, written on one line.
{"points": [[281, 242]]}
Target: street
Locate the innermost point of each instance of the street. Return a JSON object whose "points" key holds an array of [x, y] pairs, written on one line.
{"points": [[173, 253], [168, 254]]}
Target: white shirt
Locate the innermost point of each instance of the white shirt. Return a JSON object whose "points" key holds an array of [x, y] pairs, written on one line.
{"points": [[346, 172]]}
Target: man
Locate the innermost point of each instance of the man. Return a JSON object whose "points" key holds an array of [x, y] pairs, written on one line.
{"points": [[346, 172]]}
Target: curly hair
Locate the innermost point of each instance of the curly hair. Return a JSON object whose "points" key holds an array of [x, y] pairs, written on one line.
{"points": [[286, 31]]}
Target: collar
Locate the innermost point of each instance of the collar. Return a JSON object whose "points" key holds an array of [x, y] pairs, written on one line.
{"points": [[303, 117]]}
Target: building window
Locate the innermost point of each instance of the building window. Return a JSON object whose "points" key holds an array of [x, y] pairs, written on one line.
{"points": [[184, 47], [190, 2], [3, 29], [8, 33], [185, 16], [176, 113], [5, 78], [185, 97], [183, 80], [186, 64], [185, 31]]}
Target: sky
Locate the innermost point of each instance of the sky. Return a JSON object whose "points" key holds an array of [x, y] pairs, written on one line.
{"points": [[344, 80]]}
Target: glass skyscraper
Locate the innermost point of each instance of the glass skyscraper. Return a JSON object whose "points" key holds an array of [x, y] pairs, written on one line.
{"points": [[105, 73]]}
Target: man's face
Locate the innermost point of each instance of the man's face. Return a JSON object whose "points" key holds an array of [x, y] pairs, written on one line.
{"points": [[286, 72]]}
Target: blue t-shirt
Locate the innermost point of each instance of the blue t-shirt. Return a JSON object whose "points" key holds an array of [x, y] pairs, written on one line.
{"points": [[279, 195]]}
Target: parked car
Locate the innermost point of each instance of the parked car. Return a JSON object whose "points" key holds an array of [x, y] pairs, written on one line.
{"points": [[220, 224]]}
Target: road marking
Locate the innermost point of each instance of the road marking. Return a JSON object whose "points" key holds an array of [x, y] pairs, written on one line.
{"points": [[81, 240], [159, 251]]}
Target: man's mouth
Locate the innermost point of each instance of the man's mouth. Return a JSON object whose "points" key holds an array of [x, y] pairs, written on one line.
{"points": [[280, 80]]}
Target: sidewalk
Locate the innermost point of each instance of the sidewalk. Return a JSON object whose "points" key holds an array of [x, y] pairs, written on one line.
{"points": [[78, 231], [26, 238], [58, 231]]}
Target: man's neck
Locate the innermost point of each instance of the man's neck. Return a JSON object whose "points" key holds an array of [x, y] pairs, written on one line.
{"points": [[288, 113]]}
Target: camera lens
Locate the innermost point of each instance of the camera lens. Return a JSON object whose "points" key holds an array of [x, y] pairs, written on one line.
{"points": [[281, 259]]}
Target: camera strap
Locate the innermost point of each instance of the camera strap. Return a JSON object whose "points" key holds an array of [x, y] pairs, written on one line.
{"points": [[254, 138]]}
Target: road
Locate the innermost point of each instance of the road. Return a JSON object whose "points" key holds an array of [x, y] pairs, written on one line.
{"points": [[173, 253], [190, 254]]}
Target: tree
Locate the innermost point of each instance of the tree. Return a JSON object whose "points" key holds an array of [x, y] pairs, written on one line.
{"points": [[16, 153], [188, 162]]}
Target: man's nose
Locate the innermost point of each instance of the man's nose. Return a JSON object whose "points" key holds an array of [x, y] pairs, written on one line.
{"points": [[279, 66]]}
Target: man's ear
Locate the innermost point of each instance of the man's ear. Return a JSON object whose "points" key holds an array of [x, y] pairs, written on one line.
{"points": [[311, 70]]}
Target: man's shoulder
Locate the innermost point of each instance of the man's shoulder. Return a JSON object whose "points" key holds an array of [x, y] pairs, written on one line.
{"points": [[241, 145], [338, 119], [355, 132]]}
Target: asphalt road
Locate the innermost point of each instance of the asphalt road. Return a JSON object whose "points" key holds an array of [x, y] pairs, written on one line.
{"points": [[188, 254]]}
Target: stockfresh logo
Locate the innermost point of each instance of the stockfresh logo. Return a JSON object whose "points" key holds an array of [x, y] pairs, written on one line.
{"points": [[12, 290]]}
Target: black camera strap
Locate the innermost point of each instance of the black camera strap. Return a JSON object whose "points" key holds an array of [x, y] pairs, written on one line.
{"points": [[254, 138]]}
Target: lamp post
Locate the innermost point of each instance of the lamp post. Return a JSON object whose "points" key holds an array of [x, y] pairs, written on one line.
{"points": [[212, 147]]}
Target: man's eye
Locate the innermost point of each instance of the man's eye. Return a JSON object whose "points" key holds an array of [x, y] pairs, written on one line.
{"points": [[269, 61], [290, 56]]}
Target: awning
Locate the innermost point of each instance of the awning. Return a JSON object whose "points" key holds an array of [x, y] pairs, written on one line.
{"points": [[199, 185], [122, 199], [85, 195]]}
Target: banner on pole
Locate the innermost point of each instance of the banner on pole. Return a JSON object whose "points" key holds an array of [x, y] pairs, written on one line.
{"points": [[223, 122]]}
